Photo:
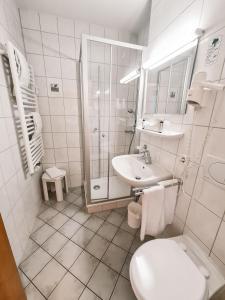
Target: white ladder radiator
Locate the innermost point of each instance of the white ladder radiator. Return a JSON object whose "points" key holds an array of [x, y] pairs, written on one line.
{"points": [[28, 121]]}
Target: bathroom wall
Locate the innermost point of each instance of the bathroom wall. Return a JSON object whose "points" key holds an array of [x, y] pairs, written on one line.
{"points": [[200, 210], [20, 197], [52, 45]]}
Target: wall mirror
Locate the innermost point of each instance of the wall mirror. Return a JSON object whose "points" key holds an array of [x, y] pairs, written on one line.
{"points": [[166, 85]]}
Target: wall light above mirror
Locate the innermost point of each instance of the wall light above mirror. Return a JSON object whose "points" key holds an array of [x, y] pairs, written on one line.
{"points": [[167, 83]]}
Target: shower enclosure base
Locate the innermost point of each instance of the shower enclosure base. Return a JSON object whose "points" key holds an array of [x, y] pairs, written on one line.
{"points": [[117, 188]]}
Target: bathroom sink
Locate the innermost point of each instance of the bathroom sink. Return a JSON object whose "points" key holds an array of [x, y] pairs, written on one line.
{"points": [[133, 170]]}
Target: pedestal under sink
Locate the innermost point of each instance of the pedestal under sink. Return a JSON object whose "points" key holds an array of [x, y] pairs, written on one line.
{"points": [[133, 170]]}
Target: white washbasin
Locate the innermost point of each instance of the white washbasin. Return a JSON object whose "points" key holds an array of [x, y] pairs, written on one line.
{"points": [[135, 172]]}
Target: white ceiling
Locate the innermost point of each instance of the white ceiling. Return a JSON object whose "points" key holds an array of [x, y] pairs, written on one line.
{"points": [[119, 14]]}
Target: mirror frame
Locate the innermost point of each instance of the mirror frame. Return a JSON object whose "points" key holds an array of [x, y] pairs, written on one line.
{"points": [[189, 54]]}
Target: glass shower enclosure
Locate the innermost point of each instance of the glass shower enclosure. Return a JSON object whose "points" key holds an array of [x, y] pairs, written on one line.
{"points": [[109, 111]]}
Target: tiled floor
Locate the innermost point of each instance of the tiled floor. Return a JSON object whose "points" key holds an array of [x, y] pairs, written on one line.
{"points": [[75, 255]]}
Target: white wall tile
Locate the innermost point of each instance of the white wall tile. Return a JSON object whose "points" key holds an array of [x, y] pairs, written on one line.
{"points": [[52, 66], [218, 248], [71, 106], [7, 164], [67, 46], [73, 139], [50, 44], [70, 88], [32, 40], [37, 63], [218, 119], [210, 195], [46, 123], [69, 68], [56, 106], [66, 26], [97, 30], [42, 86], [30, 19], [47, 140], [203, 223], [58, 123], [182, 206], [48, 23], [61, 155], [72, 124], [74, 154], [43, 106], [199, 134], [81, 27], [49, 156], [59, 140]]}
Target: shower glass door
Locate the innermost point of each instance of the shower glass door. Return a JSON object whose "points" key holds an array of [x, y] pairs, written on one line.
{"points": [[99, 61], [108, 113]]}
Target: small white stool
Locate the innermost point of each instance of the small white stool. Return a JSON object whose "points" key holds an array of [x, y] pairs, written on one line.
{"points": [[58, 185]]}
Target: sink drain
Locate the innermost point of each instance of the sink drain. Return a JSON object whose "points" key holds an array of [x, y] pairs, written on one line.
{"points": [[137, 177], [96, 187]]}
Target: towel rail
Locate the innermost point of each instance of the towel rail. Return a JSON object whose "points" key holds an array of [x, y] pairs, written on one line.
{"points": [[139, 191], [28, 125]]}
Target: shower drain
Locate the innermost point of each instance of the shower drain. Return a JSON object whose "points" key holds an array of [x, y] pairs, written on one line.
{"points": [[96, 187]]}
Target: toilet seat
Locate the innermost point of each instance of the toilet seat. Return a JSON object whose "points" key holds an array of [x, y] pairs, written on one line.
{"points": [[161, 270]]}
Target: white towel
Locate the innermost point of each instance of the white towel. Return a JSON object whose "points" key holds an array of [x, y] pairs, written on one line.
{"points": [[153, 211], [170, 199], [22, 68], [54, 172]]}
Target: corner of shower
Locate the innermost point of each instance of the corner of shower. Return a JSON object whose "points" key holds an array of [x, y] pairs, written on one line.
{"points": [[109, 111]]}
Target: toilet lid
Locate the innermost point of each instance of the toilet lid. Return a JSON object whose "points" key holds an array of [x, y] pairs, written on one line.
{"points": [[161, 270]]}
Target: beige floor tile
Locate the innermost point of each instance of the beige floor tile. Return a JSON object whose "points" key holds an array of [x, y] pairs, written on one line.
{"points": [[31, 246], [126, 267], [68, 254], [70, 210], [81, 217], [60, 205], [114, 257], [42, 234], [97, 246], [103, 281], [58, 220], [123, 239], [32, 293], [54, 243], [127, 228], [83, 237], [69, 288], [123, 290], [88, 295], [93, 223], [49, 277], [48, 214], [84, 267], [34, 263], [107, 231], [115, 218], [69, 228]]}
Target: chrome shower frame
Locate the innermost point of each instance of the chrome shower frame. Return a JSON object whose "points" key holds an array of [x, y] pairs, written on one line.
{"points": [[84, 103]]}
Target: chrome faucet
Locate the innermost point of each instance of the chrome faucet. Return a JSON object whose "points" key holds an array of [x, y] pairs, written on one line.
{"points": [[146, 155]]}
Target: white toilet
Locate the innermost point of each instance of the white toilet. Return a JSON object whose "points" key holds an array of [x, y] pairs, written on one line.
{"points": [[173, 269]]}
